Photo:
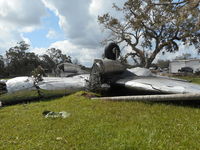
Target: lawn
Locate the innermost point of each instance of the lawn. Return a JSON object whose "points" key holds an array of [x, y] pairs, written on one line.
{"points": [[193, 79], [95, 124]]}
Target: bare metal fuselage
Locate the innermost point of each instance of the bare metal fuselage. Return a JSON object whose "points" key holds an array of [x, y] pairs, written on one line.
{"points": [[139, 79]]}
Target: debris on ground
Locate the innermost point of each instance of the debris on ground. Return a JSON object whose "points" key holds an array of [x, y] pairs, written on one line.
{"points": [[51, 114], [89, 94]]}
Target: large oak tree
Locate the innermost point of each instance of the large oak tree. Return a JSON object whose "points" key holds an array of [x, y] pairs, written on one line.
{"points": [[150, 27]]}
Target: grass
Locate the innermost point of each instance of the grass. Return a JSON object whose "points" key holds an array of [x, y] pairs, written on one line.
{"points": [[95, 124], [32, 95], [193, 79], [101, 125]]}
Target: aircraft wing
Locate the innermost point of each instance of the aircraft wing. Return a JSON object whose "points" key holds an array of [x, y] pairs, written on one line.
{"points": [[137, 79], [158, 85]]}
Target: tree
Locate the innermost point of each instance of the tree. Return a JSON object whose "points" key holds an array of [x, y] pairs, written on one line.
{"points": [[57, 56], [2, 67], [53, 58], [76, 61], [47, 63], [163, 63], [21, 62], [150, 27], [1, 62], [184, 56]]}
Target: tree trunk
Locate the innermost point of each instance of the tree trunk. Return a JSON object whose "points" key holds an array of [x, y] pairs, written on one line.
{"points": [[148, 63], [142, 61]]}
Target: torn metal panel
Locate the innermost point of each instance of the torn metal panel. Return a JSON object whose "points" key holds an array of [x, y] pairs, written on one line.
{"points": [[106, 72], [138, 71], [69, 69], [48, 83], [20, 83], [78, 82], [141, 79]]}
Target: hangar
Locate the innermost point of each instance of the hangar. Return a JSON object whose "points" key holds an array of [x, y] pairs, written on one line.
{"points": [[175, 65]]}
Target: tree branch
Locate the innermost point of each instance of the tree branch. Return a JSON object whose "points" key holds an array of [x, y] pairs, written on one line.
{"points": [[138, 51], [152, 33], [174, 3]]}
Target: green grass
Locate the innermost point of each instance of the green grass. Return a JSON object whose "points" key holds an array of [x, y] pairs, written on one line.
{"points": [[193, 79], [103, 125], [23, 96]]}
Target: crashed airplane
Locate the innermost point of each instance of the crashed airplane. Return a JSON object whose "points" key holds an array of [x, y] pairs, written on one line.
{"points": [[105, 74]]}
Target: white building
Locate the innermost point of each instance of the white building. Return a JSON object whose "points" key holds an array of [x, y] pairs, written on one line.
{"points": [[175, 65]]}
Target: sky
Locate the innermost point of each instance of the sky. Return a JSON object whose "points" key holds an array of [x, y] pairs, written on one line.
{"points": [[69, 25]]}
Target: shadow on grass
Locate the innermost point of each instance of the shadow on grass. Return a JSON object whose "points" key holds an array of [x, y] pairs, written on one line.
{"points": [[184, 103], [118, 91], [31, 96]]}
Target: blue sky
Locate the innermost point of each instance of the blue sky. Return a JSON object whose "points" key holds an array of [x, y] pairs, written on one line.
{"points": [[48, 23], [65, 24], [70, 25]]}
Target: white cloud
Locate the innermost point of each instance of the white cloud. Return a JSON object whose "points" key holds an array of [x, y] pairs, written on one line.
{"points": [[16, 17], [78, 20], [21, 12], [52, 34], [95, 7], [85, 56], [79, 25], [62, 20], [99, 7], [183, 49]]}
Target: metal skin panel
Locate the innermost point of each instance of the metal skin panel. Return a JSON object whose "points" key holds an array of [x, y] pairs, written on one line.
{"points": [[134, 79], [48, 83], [159, 85]]}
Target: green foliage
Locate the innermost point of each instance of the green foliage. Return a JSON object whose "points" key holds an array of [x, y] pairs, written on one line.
{"points": [[95, 124], [38, 72], [2, 71], [19, 61], [150, 27], [57, 56], [1, 61], [47, 62], [193, 79], [163, 63], [54, 57]]}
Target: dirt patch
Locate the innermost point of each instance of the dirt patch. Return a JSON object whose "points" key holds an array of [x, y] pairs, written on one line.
{"points": [[89, 94]]}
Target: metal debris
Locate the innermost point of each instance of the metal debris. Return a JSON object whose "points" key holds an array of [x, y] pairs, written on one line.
{"points": [[51, 114]]}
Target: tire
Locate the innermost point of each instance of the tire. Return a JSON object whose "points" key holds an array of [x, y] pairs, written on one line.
{"points": [[112, 51]]}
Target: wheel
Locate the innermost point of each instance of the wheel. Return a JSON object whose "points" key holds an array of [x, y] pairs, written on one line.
{"points": [[112, 51]]}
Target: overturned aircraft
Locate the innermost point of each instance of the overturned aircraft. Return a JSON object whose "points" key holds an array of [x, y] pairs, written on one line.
{"points": [[105, 74]]}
